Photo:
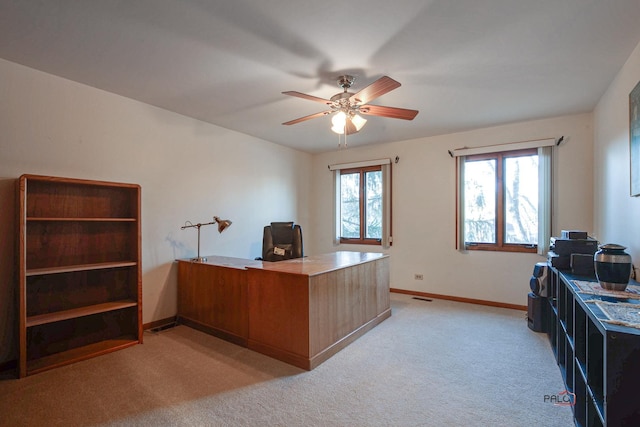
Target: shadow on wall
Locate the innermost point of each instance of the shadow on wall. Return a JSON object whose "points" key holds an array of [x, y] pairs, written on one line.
{"points": [[8, 283], [179, 249], [160, 285]]}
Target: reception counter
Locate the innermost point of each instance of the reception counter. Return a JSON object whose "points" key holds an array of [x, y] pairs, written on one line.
{"points": [[301, 311]]}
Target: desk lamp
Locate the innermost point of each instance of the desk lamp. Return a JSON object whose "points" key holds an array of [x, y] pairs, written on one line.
{"points": [[223, 224]]}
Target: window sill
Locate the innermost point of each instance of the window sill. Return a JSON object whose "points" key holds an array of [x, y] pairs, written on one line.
{"points": [[508, 248], [360, 242]]}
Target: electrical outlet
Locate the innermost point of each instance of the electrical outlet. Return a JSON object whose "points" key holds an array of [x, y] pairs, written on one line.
{"points": [[418, 277]]}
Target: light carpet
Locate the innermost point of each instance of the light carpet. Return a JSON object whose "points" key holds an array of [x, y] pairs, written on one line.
{"points": [[437, 363]]}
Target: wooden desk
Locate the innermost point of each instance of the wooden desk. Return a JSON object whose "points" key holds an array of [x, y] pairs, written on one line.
{"points": [[300, 311]]}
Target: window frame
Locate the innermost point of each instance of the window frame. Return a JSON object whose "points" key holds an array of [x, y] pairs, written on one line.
{"points": [[362, 240], [500, 245]]}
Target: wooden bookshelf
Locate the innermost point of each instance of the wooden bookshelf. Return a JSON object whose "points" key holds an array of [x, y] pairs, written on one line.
{"points": [[79, 270]]}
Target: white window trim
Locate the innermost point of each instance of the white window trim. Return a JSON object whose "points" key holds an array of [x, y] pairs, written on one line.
{"points": [[386, 197]]}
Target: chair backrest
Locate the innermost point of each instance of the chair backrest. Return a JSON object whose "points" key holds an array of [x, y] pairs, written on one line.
{"points": [[282, 240]]}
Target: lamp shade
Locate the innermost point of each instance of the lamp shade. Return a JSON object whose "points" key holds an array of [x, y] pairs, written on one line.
{"points": [[338, 121], [223, 224], [358, 121], [338, 130]]}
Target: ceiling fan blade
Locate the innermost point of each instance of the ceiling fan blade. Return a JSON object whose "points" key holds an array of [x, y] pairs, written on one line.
{"points": [[391, 112], [309, 117], [309, 97], [378, 88]]}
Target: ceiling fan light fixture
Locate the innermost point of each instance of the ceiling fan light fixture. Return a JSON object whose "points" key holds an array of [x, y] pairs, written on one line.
{"points": [[339, 120], [358, 122], [338, 130]]}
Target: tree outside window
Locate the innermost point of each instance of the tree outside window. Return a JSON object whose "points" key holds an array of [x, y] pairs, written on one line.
{"points": [[361, 205], [501, 201]]}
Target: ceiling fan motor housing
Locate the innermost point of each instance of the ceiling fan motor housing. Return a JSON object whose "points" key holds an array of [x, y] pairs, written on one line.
{"points": [[342, 101], [346, 81]]}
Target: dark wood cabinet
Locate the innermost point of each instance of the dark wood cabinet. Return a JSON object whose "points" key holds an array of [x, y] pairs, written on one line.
{"points": [[599, 360], [79, 270]]}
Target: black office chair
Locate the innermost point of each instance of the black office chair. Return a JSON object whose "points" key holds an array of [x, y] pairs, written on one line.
{"points": [[282, 240]]}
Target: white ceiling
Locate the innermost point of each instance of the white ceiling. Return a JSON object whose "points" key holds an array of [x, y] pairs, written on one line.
{"points": [[464, 64]]}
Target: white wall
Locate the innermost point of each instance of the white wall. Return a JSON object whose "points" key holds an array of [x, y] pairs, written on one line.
{"points": [[188, 170], [616, 213], [424, 208]]}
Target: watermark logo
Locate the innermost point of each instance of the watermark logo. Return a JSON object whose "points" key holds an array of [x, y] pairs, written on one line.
{"points": [[563, 398]]}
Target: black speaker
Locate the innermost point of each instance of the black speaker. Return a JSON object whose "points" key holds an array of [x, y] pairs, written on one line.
{"points": [[539, 281], [537, 312]]}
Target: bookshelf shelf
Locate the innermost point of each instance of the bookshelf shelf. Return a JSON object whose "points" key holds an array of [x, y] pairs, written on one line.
{"points": [[73, 313], [79, 267]]}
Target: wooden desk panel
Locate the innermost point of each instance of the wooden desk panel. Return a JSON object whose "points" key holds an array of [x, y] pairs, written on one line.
{"points": [[279, 313], [344, 304], [300, 311], [213, 299]]}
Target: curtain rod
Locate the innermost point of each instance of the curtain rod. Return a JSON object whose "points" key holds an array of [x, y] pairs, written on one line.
{"points": [[362, 164], [451, 153]]}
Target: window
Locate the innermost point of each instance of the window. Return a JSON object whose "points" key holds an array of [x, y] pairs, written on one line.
{"points": [[504, 196], [361, 205], [501, 201], [362, 209]]}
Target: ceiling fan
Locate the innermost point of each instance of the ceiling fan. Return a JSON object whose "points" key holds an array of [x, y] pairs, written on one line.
{"points": [[345, 106]]}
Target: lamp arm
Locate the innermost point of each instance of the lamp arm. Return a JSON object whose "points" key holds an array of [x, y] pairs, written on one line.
{"points": [[198, 225]]}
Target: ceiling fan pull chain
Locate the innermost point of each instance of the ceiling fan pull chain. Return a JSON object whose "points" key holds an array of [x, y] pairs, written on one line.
{"points": [[345, 134]]}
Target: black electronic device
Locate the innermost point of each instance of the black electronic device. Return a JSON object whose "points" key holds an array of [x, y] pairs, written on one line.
{"points": [[566, 247], [539, 281], [561, 262], [536, 313], [573, 234], [583, 265]]}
